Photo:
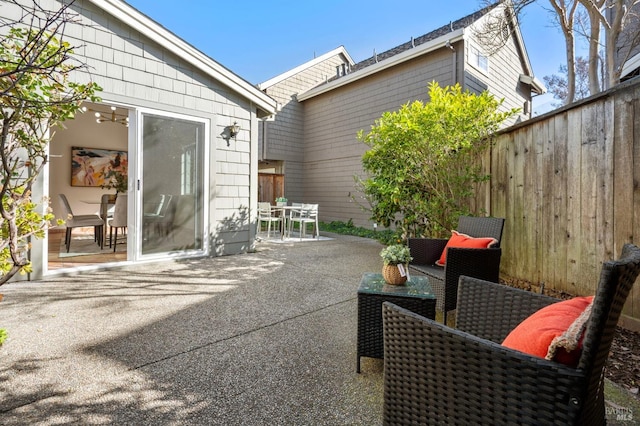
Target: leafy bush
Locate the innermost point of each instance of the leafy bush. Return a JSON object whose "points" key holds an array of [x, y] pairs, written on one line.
{"points": [[422, 163], [386, 236]]}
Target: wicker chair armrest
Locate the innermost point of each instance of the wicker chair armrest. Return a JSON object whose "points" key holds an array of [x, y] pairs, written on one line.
{"points": [[491, 310], [428, 366], [426, 251]]}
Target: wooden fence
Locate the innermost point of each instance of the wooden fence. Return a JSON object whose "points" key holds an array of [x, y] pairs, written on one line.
{"points": [[568, 185]]}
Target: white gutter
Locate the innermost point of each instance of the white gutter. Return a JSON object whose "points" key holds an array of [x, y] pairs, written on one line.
{"points": [[632, 64], [394, 60], [536, 85], [139, 22]]}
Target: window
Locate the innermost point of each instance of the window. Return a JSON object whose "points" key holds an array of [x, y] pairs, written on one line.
{"points": [[479, 60]]}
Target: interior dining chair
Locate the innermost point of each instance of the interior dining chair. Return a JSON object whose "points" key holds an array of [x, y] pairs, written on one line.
{"points": [[265, 215], [107, 202], [81, 221], [161, 218], [119, 220]]}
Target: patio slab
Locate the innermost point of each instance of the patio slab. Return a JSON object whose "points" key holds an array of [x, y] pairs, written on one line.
{"points": [[263, 338]]}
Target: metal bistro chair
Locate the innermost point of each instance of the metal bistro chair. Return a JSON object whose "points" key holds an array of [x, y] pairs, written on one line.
{"points": [[81, 221], [265, 215], [434, 374], [307, 213], [481, 263]]}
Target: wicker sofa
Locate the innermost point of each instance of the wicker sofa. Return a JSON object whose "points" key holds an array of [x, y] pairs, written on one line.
{"points": [[473, 262], [434, 374]]}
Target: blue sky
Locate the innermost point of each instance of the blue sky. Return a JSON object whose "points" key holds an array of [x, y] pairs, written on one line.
{"points": [[259, 40]]}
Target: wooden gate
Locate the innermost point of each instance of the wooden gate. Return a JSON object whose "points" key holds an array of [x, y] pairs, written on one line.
{"points": [[270, 186]]}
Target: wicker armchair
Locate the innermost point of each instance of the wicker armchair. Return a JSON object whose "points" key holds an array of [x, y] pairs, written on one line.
{"points": [[434, 374], [477, 263]]}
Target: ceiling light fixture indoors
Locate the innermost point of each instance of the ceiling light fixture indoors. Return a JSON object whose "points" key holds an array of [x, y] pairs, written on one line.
{"points": [[102, 117]]}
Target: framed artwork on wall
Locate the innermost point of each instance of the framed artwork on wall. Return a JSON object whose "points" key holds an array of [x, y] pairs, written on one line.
{"points": [[97, 167]]}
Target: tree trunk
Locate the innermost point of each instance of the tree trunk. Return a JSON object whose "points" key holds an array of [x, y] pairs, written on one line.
{"points": [[594, 54], [566, 12]]}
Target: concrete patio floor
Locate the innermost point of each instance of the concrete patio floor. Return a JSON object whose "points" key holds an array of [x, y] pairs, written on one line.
{"points": [[267, 338]]}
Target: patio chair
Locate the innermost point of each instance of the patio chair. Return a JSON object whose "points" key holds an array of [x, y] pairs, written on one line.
{"points": [[265, 215], [434, 374], [307, 213], [483, 263], [81, 221]]}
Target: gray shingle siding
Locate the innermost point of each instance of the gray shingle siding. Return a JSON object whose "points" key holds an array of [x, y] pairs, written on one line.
{"points": [[136, 70]]}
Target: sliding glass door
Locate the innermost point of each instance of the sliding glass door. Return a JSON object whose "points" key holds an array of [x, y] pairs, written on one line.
{"points": [[172, 189]]}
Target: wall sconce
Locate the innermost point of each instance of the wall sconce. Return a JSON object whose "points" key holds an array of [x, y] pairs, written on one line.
{"points": [[231, 132], [234, 130]]}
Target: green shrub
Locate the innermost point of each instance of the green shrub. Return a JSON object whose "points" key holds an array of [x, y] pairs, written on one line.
{"points": [[386, 237]]}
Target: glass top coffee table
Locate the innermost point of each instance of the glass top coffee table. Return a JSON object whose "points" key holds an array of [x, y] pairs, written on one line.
{"points": [[415, 295]]}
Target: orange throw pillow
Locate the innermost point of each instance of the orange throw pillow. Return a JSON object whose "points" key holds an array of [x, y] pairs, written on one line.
{"points": [[540, 334], [463, 240]]}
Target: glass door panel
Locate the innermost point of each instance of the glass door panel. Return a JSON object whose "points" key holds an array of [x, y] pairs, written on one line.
{"points": [[172, 185]]}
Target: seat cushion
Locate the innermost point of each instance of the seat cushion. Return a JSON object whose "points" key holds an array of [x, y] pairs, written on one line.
{"points": [[465, 241], [554, 332]]}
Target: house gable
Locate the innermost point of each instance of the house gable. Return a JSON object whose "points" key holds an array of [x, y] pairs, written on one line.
{"points": [[335, 111], [183, 50]]}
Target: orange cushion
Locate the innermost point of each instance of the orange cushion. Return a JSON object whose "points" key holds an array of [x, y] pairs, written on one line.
{"points": [[535, 334], [463, 240]]}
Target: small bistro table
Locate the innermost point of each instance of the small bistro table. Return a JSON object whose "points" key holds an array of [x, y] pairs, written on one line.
{"points": [[415, 295]]}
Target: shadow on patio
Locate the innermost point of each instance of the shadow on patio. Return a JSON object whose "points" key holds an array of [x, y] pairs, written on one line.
{"points": [[263, 338]]}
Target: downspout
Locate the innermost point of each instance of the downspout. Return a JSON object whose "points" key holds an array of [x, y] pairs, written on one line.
{"points": [[454, 65]]}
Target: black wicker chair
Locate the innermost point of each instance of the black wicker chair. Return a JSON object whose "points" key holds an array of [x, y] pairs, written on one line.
{"points": [[477, 263], [434, 374]]}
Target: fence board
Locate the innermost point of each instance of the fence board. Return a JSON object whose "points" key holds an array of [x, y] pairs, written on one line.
{"points": [[623, 178], [632, 307], [572, 218], [590, 140], [558, 254], [546, 204]]}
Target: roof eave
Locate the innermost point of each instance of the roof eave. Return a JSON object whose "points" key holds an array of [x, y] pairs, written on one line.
{"points": [[281, 77], [407, 55], [630, 65], [187, 52]]}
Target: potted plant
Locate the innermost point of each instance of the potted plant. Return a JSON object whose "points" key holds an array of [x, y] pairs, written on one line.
{"points": [[281, 201], [396, 260], [115, 179]]}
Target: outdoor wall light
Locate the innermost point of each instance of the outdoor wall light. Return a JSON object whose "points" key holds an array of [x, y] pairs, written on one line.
{"points": [[234, 130]]}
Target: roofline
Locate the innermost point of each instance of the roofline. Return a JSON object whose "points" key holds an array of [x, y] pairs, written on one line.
{"points": [[630, 65], [165, 38], [536, 85], [277, 79], [407, 55]]}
